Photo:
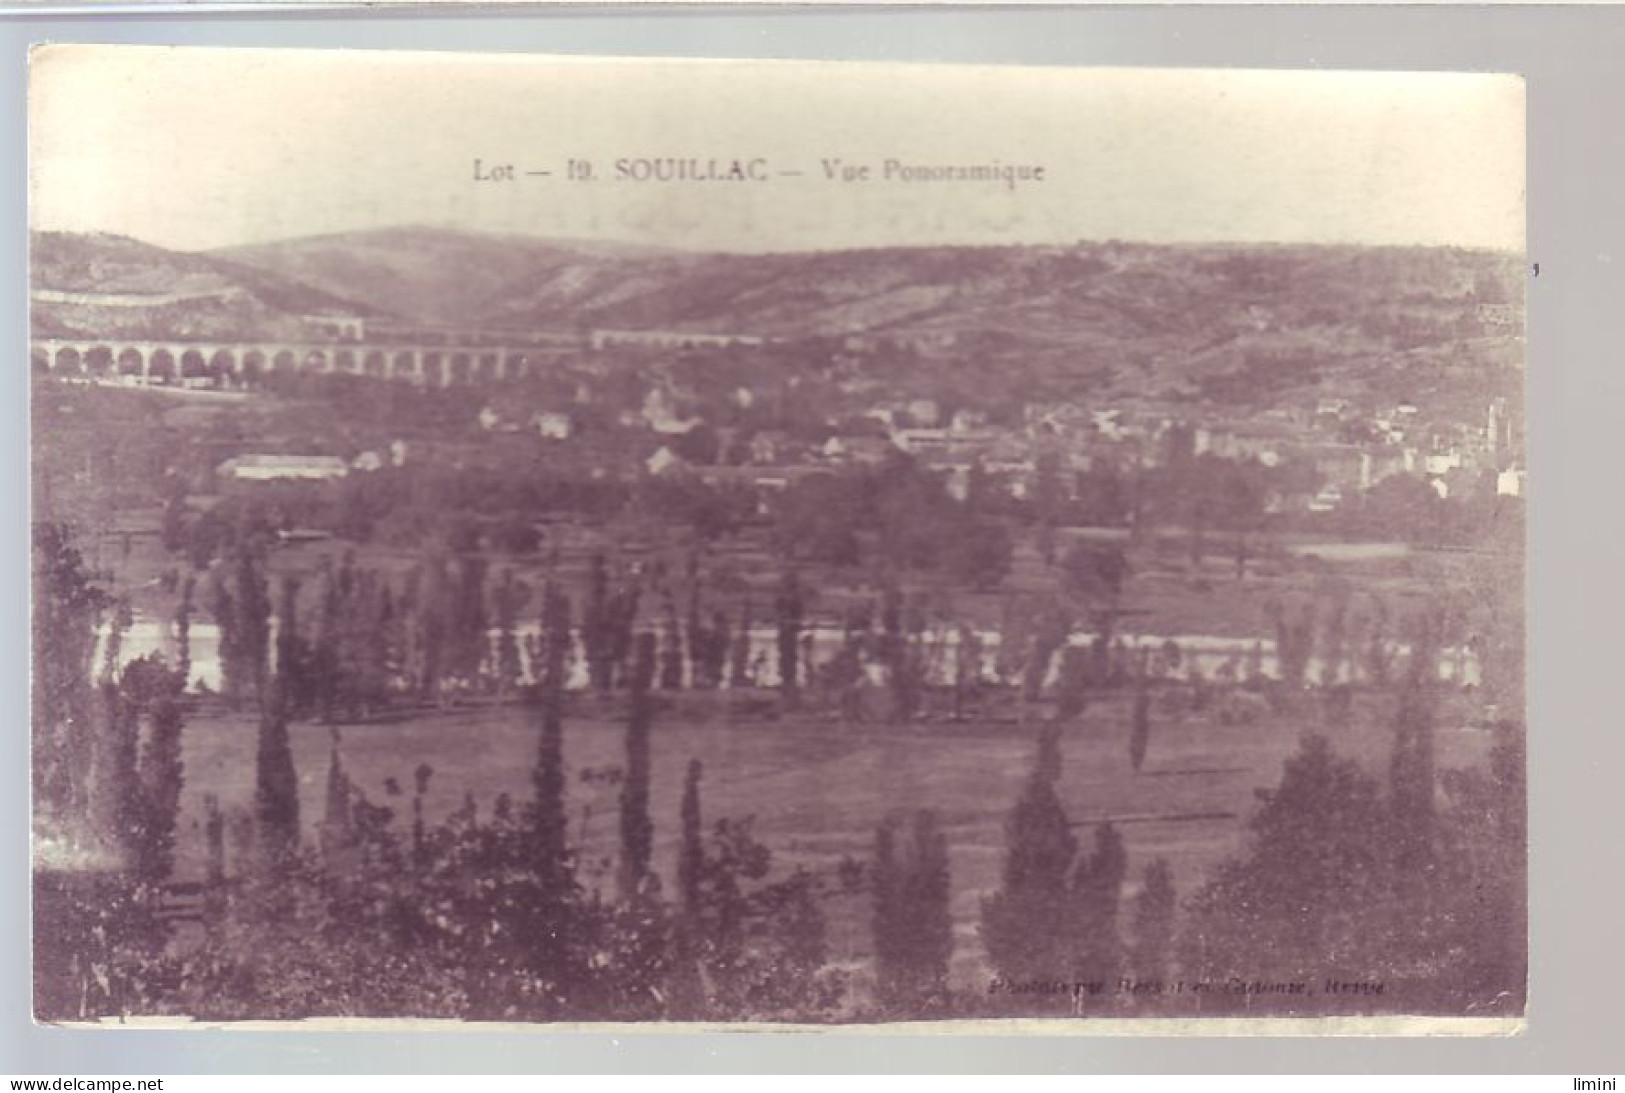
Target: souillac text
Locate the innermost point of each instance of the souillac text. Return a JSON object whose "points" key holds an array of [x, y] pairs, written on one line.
{"points": [[678, 169]]}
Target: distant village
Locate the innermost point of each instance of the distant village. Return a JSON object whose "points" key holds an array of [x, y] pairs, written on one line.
{"points": [[664, 428]]}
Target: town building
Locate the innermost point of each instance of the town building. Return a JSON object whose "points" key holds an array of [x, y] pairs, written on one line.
{"points": [[666, 462], [270, 468], [1510, 482], [344, 328], [552, 425], [670, 339]]}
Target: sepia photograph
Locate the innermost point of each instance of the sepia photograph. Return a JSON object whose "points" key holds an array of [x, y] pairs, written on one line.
{"points": [[536, 540]]}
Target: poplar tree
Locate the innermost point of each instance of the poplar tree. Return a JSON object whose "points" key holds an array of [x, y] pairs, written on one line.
{"points": [[1333, 644], [1140, 733], [696, 639], [913, 930], [1026, 923], [66, 610], [691, 853], [967, 667], [183, 632], [637, 830], [790, 605], [341, 834], [597, 626], [1412, 766], [900, 653], [214, 870], [1151, 923], [717, 649], [429, 587], [671, 653], [623, 621], [551, 825], [326, 654], [276, 784], [242, 607], [1097, 886], [740, 673], [114, 788], [470, 645], [293, 660], [687, 980], [162, 774], [1294, 644], [508, 599], [336, 811], [1050, 632], [1072, 686]]}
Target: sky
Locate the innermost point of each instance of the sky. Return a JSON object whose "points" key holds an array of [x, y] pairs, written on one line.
{"points": [[194, 149]]}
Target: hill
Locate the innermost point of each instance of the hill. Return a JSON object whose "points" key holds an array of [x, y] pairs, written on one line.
{"points": [[434, 275], [1219, 324], [115, 286], [1108, 292]]}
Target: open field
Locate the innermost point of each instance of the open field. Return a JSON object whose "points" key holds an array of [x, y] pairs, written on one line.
{"points": [[818, 788]]}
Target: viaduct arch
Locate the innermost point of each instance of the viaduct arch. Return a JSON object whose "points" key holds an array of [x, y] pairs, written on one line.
{"points": [[174, 361]]}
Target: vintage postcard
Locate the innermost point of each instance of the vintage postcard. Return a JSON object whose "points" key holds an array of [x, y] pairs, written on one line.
{"points": [[526, 540]]}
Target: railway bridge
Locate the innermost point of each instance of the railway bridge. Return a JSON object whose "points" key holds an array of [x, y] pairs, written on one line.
{"points": [[172, 360]]}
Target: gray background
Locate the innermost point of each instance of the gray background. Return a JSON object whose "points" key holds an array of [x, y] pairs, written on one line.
{"points": [[1574, 59]]}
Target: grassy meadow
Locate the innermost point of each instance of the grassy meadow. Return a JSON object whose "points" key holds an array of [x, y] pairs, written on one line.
{"points": [[818, 788]]}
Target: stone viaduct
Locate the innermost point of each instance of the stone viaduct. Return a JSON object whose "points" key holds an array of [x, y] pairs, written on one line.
{"points": [[171, 361]]}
